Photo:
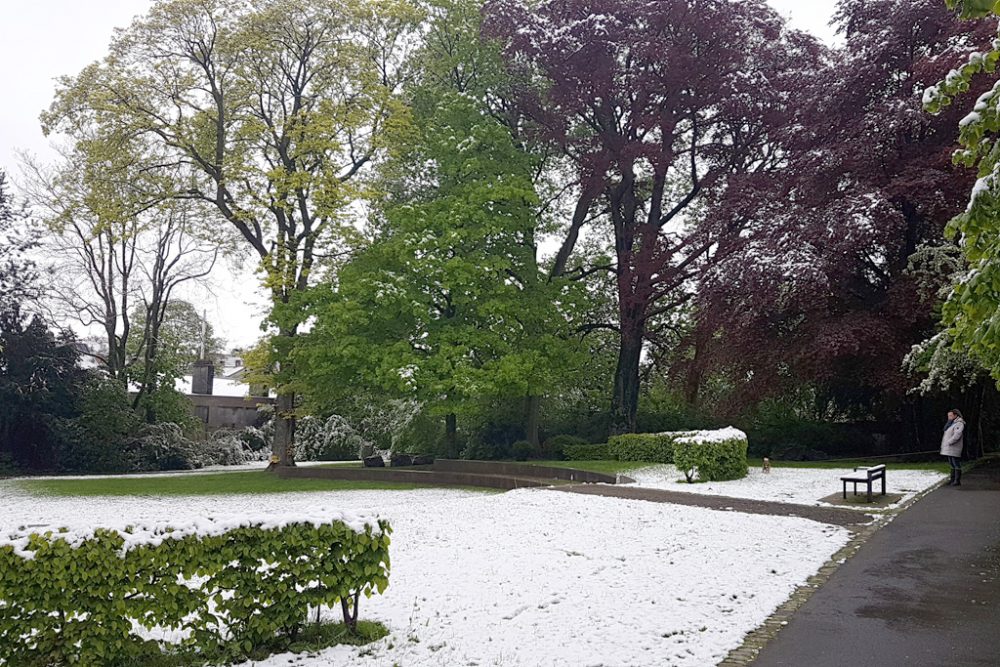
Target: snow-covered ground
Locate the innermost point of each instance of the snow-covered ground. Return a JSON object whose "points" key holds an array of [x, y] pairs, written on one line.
{"points": [[241, 467], [803, 486], [530, 577]]}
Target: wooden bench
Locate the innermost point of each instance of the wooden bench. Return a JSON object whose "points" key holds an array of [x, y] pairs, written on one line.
{"points": [[868, 476]]}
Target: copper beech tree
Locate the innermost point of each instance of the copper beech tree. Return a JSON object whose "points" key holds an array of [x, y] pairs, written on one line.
{"points": [[670, 111], [841, 282]]}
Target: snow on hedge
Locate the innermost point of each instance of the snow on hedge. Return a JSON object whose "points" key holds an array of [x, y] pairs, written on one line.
{"points": [[710, 436], [154, 533], [530, 577]]}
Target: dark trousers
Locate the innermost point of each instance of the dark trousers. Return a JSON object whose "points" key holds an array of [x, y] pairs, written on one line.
{"points": [[955, 462]]}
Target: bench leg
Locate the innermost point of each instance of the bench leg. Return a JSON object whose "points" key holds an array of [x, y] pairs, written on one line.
{"points": [[869, 491], [845, 489], [855, 487], [883, 485]]}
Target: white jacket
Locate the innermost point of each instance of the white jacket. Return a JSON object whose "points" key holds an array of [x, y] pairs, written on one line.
{"points": [[951, 441]]}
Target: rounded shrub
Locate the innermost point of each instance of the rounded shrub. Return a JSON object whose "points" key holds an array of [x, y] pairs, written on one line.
{"points": [[522, 450], [712, 456], [555, 447]]}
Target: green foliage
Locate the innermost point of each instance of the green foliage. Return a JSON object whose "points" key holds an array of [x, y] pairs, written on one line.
{"points": [[662, 409], [40, 387], [522, 450], [555, 447], [972, 313], [332, 439], [588, 453], [76, 603], [180, 337], [652, 447], [970, 9], [446, 303], [95, 441], [711, 459]]}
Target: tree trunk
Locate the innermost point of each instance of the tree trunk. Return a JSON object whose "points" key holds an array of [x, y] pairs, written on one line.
{"points": [[451, 435], [532, 409], [284, 431], [625, 399], [692, 383]]}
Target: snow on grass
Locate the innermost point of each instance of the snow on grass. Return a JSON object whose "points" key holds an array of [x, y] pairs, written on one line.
{"points": [[239, 467], [802, 486], [530, 577]]}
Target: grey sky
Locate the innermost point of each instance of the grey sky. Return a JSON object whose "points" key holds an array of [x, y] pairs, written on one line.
{"points": [[41, 40]]}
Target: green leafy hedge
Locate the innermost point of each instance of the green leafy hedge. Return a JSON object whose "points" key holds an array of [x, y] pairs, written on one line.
{"points": [[69, 599], [711, 455], [588, 453], [555, 447], [651, 447]]}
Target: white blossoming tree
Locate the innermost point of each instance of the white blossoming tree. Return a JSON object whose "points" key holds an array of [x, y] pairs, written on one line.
{"points": [[972, 312]]}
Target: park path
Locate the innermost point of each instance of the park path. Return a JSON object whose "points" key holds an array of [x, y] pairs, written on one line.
{"points": [[924, 591], [832, 515]]}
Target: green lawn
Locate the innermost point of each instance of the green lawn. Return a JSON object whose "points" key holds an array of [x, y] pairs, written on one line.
{"points": [[606, 467], [209, 484]]}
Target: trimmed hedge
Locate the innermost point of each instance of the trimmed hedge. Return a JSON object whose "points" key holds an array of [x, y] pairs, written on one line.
{"points": [[715, 456], [555, 447], [651, 447], [522, 450], [72, 599], [588, 453]]}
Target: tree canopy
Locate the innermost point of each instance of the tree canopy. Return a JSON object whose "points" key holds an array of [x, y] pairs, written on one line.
{"points": [[265, 114]]}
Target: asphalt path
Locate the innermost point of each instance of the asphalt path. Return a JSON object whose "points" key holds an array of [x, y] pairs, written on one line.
{"points": [[922, 591]]}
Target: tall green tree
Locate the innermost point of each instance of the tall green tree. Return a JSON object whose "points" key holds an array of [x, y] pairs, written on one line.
{"points": [[448, 303], [972, 313], [269, 113]]}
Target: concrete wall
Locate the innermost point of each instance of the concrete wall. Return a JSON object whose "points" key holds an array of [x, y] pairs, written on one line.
{"points": [[228, 411]]}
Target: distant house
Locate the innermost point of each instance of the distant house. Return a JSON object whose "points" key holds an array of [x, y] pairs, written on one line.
{"points": [[230, 365]]}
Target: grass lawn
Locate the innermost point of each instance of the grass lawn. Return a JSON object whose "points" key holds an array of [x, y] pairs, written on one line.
{"points": [[211, 484], [606, 467]]}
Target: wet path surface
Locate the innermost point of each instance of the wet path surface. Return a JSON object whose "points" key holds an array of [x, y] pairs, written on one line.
{"points": [[923, 591]]}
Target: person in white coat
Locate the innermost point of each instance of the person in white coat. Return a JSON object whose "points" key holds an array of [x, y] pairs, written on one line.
{"points": [[952, 443]]}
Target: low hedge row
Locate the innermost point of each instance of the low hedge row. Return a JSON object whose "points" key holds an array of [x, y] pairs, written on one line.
{"points": [[588, 452], [714, 456], [652, 447], [708, 455], [230, 586]]}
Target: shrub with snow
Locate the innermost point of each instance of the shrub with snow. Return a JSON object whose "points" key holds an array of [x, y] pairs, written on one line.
{"points": [[331, 440], [713, 456]]}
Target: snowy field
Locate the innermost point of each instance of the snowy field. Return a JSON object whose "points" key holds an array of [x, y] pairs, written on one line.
{"points": [[802, 486], [531, 577], [241, 467]]}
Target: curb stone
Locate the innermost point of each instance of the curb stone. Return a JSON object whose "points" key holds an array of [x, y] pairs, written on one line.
{"points": [[755, 640]]}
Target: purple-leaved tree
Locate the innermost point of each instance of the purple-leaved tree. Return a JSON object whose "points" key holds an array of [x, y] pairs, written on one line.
{"points": [[671, 112]]}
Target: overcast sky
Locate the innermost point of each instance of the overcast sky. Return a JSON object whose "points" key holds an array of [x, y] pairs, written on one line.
{"points": [[41, 40]]}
